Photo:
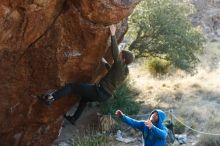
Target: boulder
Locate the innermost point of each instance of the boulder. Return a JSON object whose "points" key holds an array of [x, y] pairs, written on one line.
{"points": [[45, 44]]}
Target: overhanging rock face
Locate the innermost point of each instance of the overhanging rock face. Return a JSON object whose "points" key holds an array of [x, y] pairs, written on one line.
{"points": [[45, 44]]}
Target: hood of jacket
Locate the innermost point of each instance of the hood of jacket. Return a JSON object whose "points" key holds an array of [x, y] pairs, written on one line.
{"points": [[161, 116]]}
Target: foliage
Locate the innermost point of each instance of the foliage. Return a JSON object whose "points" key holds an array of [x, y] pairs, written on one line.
{"points": [[123, 99], [161, 28], [92, 138], [157, 66], [179, 128]]}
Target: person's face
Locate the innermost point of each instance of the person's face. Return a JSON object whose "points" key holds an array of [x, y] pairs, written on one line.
{"points": [[154, 117]]}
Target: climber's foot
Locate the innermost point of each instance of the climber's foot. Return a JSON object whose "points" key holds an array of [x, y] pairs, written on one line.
{"points": [[46, 98], [70, 119]]}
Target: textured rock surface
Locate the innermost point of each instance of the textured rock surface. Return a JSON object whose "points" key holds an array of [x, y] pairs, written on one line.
{"points": [[208, 16], [43, 45]]}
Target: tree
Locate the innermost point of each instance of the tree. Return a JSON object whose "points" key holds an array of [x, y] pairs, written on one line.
{"points": [[161, 28]]}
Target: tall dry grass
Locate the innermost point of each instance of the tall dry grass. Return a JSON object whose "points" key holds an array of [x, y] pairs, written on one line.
{"points": [[195, 98]]}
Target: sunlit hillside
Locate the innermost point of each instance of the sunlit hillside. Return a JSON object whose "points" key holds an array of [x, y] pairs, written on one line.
{"points": [[194, 98]]}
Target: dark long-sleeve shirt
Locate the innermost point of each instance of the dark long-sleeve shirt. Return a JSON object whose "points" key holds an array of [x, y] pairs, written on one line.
{"points": [[118, 71]]}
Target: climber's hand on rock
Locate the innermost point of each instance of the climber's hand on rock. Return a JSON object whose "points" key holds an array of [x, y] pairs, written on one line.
{"points": [[112, 29]]}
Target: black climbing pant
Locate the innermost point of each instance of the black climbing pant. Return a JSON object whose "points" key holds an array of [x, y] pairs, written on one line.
{"points": [[87, 93]]}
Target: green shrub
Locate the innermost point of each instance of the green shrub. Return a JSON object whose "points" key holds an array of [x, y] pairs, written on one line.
{"points": [[157, 66], [178, 127], [161, 28], [123, 99]]}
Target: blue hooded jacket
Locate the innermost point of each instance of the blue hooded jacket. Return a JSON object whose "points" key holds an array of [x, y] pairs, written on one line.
{"points": [[156, 136]]}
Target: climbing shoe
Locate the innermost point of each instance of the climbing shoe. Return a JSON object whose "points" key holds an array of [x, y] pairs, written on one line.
{"points": [[46, 98], [70, 119]]}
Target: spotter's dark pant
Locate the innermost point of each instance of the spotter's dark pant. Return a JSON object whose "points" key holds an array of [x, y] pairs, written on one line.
{"points": [[87, 92]]}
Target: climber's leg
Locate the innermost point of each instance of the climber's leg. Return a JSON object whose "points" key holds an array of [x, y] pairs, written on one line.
{"points": [[78, 112], [94, 93], [87, 91]]}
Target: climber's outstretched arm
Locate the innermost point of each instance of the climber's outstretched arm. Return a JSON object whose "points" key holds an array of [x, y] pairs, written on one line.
{"points": [[114, 44]]}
